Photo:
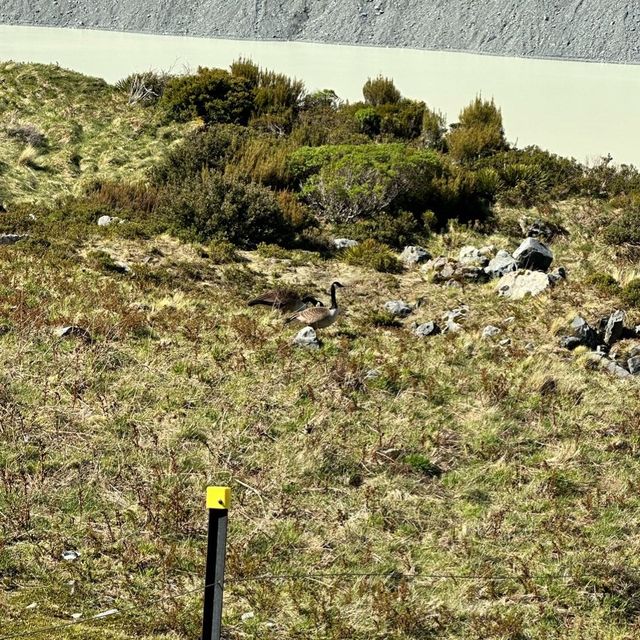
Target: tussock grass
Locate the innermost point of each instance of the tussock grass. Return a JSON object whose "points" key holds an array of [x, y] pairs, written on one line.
{"points": [[458, 456]]}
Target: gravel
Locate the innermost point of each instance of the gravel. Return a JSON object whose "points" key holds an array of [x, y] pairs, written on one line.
{"points": [[595, 30]]}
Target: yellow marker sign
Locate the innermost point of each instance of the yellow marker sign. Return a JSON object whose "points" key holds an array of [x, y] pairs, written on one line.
{"points": [[218, 497]]}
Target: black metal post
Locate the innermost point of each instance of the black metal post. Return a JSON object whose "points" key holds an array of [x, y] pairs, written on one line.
{"points": [[217, 503]]}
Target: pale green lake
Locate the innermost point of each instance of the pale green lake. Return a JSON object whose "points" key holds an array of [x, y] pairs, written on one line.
{"points": [[585, 110]]}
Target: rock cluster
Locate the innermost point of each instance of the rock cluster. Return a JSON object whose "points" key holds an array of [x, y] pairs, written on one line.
{"points": [[521, 273], [602, 340]]}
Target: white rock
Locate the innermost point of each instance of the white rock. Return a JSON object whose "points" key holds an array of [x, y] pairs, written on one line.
{"points": [[414, 254], [398, 308], [519, 284], [105, 221], [307, 338], [490, 331], [249, 615], [70, 555], [344, 243]]}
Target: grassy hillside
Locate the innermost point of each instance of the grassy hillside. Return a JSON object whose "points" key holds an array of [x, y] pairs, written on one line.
{"points": [[492, 483], [61, 129]]}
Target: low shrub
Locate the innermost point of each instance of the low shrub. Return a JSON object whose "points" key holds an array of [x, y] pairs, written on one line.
{"points": [[603, 282], [630, 293], [625, 229], [372, 254], [209, 206], [28, 134], [422, 465], [380, 90], [397, 230], [221, 252], [30, 157]]}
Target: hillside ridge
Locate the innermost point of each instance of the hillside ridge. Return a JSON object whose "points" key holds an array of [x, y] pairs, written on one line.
{"points": [[600, 30]]}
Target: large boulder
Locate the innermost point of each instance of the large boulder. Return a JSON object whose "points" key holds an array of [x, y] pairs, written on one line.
{"points": [[533, 255], [414, 255], [517, 285], [586, 334], [501, 264]]}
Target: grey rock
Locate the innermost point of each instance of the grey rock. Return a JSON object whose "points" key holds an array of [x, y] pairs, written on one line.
{"points": [[11, 238], [414, 255], [558, 275], [398, 308], [344, 243], [490, 331], [587, 335], [609, 365], [570, 342], [307, 338], [487, 251], [533, 255], [372, 374], [505, 343], [452, 327], [470, 255], [70, 555], [501, 264], [434, 264], [519, 284], [427, 329], [73, 331], [614, 329], [456, 314], [634, 365]]}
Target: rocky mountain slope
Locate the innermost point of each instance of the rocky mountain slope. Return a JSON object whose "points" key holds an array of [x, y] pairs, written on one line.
{"points": [[599, 30]]}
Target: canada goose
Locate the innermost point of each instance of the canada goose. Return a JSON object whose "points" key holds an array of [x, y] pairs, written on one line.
{"points": [[319, 317], [286, 300]]}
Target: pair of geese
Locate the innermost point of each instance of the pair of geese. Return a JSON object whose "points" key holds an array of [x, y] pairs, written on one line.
{"points": [[288, 301]]}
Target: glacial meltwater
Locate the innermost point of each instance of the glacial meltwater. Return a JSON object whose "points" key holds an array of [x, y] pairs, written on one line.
{"points": [[584, 110]]}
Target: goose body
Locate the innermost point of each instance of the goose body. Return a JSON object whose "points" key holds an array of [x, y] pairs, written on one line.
{"points": [[286, 300], [319, 317]]}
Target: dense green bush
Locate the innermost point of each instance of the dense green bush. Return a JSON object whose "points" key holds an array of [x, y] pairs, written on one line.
{"points": [[624, 229], [214, 95], [379, 91], [372, 254], [478, 133], [346, 183], [396, 230], [532, 176], [211, 206], [434, 127], [369, 121], [210, 148]]}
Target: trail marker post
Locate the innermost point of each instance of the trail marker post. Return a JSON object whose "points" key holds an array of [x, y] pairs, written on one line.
{"points": [[218, 500]]}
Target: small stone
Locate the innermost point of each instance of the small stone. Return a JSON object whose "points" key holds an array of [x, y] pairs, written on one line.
{"points": [[105, 221], [33, 605], [11, 238], [634, 365], [307, 338], [398, 308], [427, 329], [249, 615], [505, 343], [587, 335], [73, 331], [70, 555], [372, 374], [434, 264], [558, 275], [458, 312], [533, 255], [344, 243], [614, 328], [609, 365], [76, 616], [570, 342], [519, 284], [414, 255], [490, 331]]}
